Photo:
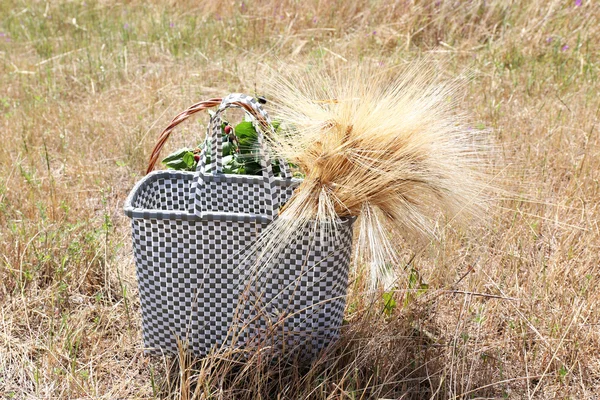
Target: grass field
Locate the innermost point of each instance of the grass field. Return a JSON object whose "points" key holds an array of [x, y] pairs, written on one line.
{"points": [[504, 308]]}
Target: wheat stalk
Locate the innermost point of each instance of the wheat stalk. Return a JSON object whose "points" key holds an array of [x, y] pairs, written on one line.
{"points": [[388, 148]]}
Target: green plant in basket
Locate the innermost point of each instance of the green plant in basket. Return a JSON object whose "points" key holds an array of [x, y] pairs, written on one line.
{"points": [[240, 152]]}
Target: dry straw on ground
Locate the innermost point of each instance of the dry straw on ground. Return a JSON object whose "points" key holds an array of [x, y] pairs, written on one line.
{"points": [[506, 309]]}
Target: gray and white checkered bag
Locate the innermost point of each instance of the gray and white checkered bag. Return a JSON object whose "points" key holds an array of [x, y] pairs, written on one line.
{"points": [[190, 233]]}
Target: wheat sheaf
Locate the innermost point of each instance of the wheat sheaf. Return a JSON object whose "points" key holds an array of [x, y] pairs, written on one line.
{"points": [[389, 148]]}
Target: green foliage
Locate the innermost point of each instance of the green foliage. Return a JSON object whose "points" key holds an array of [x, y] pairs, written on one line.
{"points": [[240, 151], [389, 303], [562, 372], [182, 159], [416, 286]]}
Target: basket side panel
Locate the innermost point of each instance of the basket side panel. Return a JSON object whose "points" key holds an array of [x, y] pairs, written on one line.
{"points": [[168, 282], [285, 192], [223, 246], [239, 197], [187, 274], [239, 194], [298, 304]]}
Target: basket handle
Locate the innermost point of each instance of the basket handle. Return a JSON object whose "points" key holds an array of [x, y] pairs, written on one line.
{"points": [[270, 194], [164, 136]]}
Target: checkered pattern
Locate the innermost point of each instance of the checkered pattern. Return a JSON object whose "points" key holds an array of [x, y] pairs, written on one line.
{"points": [[193, 285], [170, 191], [232, 195], [187, 289], [296, 304]]}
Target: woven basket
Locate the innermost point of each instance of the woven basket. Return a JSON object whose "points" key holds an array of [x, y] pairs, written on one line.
{"points": [[191, 232]]}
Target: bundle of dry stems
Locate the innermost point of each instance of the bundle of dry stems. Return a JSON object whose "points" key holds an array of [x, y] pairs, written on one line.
{"points": [[389, 148]]}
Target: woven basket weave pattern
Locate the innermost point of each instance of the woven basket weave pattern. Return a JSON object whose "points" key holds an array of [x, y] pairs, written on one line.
{"points": [[167, 191], [301, 297], [191, 279]]}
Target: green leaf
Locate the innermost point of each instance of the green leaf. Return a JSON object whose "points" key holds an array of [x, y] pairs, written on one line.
{"points": [[230, 165], [413, 277], [390, 303], [563, 371], [252, 168], [247, 137], [228, 148], [414, 282], [176, 155], [179, 165], [227, 159], [245, 129], [276, 169], [188, 159], [182, 159]]}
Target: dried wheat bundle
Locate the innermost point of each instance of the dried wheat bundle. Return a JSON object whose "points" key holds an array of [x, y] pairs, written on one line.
{"points": [[388, 148]]}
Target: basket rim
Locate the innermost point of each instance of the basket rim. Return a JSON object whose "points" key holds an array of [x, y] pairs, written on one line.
{"points": [[142, 213]]}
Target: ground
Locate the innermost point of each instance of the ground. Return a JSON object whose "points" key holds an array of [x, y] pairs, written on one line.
{"points": [[506, 307]]}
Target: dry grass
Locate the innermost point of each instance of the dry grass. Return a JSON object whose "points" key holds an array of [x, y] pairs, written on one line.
{"points": [[506, 308]]}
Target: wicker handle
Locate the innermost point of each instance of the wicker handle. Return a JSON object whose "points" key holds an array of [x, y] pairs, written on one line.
{"points": [[162, 139]]}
